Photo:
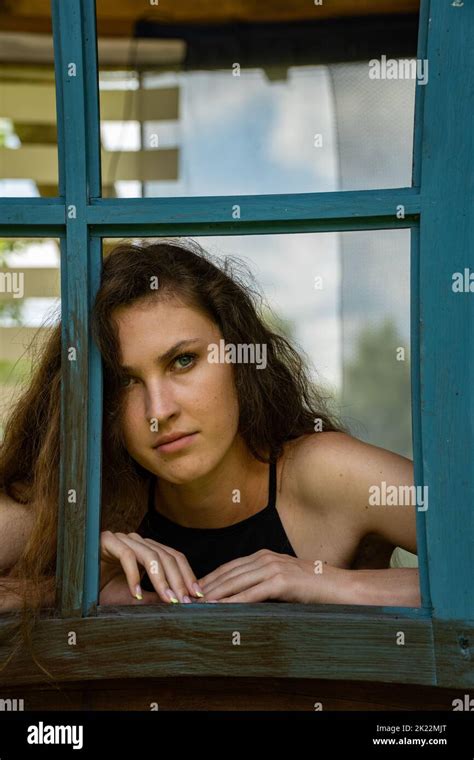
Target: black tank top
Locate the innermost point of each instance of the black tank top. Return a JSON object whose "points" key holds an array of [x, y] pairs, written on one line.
{"points": [[208, 548]]}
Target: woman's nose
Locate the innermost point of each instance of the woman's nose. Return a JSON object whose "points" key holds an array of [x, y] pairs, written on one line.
{"points": [[161, 404]]}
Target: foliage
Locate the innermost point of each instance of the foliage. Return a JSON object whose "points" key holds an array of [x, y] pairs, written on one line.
{"points": [[376, 399]]}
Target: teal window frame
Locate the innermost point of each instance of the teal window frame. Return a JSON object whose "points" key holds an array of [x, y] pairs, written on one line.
{"points": [[317, 641]]}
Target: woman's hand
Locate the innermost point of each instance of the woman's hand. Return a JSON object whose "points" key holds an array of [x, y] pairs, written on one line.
{"points": [[168, 570], [268, 575]]}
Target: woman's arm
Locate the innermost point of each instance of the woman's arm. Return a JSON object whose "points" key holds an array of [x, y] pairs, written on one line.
{"points": [[390, 587], [11, 600], [372, 489], [268, 575], [16, 523]]}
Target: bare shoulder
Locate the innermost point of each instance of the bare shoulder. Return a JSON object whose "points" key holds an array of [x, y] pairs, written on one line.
{"points": [[336, 460], [314, 459], [333, 473]]}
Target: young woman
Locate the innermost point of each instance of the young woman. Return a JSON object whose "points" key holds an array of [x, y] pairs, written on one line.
{"points": [[224, 479]]}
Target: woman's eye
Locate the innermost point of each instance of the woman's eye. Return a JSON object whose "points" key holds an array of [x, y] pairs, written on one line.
{"points": [[189, 360], [125, 381]]}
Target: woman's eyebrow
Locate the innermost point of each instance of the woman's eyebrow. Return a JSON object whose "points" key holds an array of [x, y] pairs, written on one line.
{"points": [[168, 354]]}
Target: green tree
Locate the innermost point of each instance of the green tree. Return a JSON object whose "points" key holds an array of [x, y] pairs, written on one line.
{"points": [[376, 396]]}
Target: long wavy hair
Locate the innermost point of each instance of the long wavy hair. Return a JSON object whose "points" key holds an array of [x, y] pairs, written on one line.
{"points": [[276, 405]]}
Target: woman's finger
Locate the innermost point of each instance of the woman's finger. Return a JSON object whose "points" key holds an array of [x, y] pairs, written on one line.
{"points": [[238, 583], [271, 588], [263, 555], [187, 573], [162, 568], [129, 555], [247, 565], [113, 550]]}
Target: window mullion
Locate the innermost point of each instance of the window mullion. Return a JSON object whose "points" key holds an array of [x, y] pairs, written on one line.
{"points": [[447, 309], [80, 404]]}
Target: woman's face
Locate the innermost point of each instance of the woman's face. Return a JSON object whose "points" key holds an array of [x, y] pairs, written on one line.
{"points": [[170, 387]]}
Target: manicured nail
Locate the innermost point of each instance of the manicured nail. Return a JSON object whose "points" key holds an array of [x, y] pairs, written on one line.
{"points": [[186, 599], [138, 592], [198, 589], [172, 596], [212, 601]]}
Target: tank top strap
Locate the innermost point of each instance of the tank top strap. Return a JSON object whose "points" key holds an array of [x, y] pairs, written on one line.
{"points": [[151, 494], [272, 484]]}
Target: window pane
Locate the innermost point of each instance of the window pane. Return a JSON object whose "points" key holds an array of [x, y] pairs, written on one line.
{"points": [[29, 309], [28, 137], [345, 300], [344, 305], [298, 107], [336, 303]]}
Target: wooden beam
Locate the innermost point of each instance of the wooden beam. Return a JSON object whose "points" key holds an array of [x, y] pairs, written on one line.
{"points": [[144, 165], [40, 163], [11, 72], [444, 312], [36, 103], [279, 640], [208, 11], [36, 162], [217, 693], [337, 208], [453, 644], [117, 17], [25, 47], [140, 105], [36, 134]]}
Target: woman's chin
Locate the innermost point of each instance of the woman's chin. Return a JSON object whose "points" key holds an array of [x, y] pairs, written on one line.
{"points": [[178, 472]]}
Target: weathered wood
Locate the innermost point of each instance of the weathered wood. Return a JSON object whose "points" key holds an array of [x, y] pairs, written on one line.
{"points": [[454, 652], [81, 400], [212, 693], [264, 213], [287, 640], [30, 213], [447, 317], [258, 213]]}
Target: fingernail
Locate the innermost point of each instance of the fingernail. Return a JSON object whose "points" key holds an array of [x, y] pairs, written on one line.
{"points": [[186, 599], [172, 596], [138, 592], [198, 589], [212, 601]]}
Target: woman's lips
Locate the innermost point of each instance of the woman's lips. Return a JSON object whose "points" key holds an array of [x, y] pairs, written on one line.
{"points": [[177, 445]]}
